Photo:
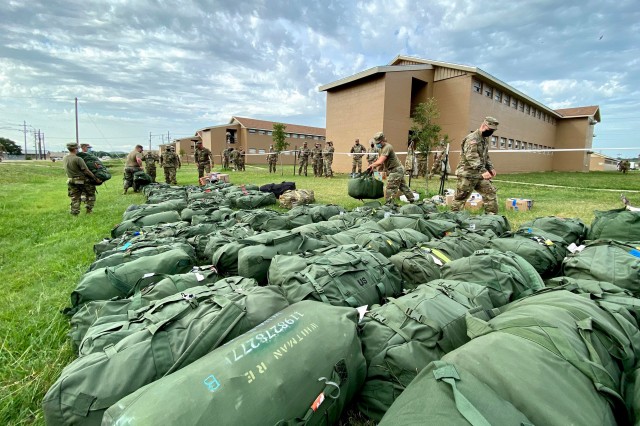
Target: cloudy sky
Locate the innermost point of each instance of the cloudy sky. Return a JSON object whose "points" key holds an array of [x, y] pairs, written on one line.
{"points": [[142, 66]]}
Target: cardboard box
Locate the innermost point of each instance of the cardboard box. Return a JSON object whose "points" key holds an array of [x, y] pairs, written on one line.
{"points": [[448, 199], [214, 177], [519, 204], [474, 204]]}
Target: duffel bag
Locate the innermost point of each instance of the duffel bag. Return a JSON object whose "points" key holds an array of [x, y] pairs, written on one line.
{"points": [[461, 243], [314, 346], [497, 223], [318, 229], [348, 236], [278, 189], [419, 265], [225, 236], [130, 254], [134, 211], [389, 243], [365, 187], [571, 230], [433, 228], [254, 200], [619, 224], [152, 219]]}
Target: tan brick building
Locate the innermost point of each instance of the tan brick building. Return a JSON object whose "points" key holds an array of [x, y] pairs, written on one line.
{"points": [[382, 98]]}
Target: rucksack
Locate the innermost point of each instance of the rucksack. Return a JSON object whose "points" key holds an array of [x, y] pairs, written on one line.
{"points": [[301, 366], [619, 224], [365, 187], [278, 189], [141, 179], [96, 167]]}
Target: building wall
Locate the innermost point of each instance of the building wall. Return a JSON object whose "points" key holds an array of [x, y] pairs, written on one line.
{"points": [[573, 133], [601, 163]]}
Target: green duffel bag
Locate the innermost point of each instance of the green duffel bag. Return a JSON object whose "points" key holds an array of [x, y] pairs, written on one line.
{"points": [[130, 254], [348, 236], [618, 224], [606, 260], [119, 281], [254, 200], [632, 395], [496, 223], [390, 242], [188, 213], [198, 325], [255, 218], [433, 228], [302, 366], [206, 195], [96, 166], [134, 211], [146, 291], [401, 337], [225, 236], [318, 229], [570, 230], [565, 350], [139, 222], [254, 259], [365, 187], [455, 398], [200, 229], [351, 278], [323, 212], [543, 250], [419, 265], [507, 275], [286, 222], [159, 198], [462, 243], [421, 207], [225, 258], [217, 219]]}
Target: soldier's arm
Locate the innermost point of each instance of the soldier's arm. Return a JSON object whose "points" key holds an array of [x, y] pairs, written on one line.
{"points": [[86, 171], [473, 156]]}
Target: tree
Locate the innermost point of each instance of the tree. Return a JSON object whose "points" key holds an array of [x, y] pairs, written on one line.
{"points": [[10, 147], [425, 133], [182, 153], [279, 141]]}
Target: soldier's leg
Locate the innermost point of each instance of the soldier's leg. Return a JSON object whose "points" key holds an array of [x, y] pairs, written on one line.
{"points": [[393, 184], [404, 188], [489, 196], [152, 173], [359, 164], [463, 191], [354, 162], [90, 194], [200, 171], [75, 192], [128, 178], [167, 175], [174, 181]]}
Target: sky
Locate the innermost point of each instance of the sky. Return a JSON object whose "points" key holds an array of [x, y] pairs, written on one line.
{"points": [[150, 70]]}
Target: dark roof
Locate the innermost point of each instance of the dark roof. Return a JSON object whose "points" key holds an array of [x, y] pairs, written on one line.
{"points": [[585, 111], [252, 123]]}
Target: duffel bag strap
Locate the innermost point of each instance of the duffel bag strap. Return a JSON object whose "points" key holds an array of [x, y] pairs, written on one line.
{"points": [[318, 288], [117, 283]]}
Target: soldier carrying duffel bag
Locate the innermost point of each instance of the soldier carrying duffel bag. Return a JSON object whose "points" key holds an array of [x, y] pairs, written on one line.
{"points": [[365, 186]]}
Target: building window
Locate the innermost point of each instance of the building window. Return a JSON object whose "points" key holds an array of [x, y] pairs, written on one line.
{"points": [[524, 145], [494, 142], [510, 145], [516, 145], [530, 145], [514, 103], [527, 109], [252, 130], [497, 96], [521, 104], [503, 143], [262, 151], [309, 137], [270, 132], [252, 150], [533, 112], [535, 146], [488, 91], [477, 86], [316, 138], [507, 99], [539, 113], [294, 135], [263, 132]]}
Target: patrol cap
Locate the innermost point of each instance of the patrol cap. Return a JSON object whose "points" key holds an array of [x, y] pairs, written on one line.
{"points": [[491, 122], [331, 142], [379, 137], [82, 145], [72, 145], [198, 142]]}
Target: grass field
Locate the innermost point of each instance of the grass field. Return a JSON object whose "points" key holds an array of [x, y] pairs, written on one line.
{"points": [[44, 251]]}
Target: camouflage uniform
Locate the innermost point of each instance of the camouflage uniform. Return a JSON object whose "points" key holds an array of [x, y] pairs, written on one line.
{"points": [[422, 164], [233, 158], [130, 167], [372, 154], [150, 160], [203, 160], [410, 161], [240, 160], [474, 161], [305, 152], [78, 182], [225, 158], [356, 160], [169, 162], [327, 159], [395, 172], [624, 166], [436, 167], [272, 158], [316, 157]]}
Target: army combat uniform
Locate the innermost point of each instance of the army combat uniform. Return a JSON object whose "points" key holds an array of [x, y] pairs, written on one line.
{"points": [[203, 160], [316, 157], [170, 162], [225, 158], [240, 160], [78, 177], [150, 159], [358, 152], [474, 161], [327, 159], [305, 152], [372, 155], [131, 166], [272, 158], [395, 175]]}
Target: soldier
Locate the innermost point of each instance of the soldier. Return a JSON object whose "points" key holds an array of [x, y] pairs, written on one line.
{"points": [[305, 152], [327, 159], [272, 158], [410, 161], [169, 162], [150, 159], [436, 167], [225, 158], [241, 160], [475, 169], [88, 195], [78, 174], [316, 157], [372, 153], [203, 159], [624, 166], [395, 172], [133, 164], [356, 160], [234, 156]]}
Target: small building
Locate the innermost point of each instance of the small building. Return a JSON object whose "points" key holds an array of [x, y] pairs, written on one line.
{"points": [[382, 99], [600, 162]]}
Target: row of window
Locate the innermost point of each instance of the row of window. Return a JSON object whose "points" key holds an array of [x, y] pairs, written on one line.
{"points": [[263, 151], [506, 143], [288, 135], [509, 100]]}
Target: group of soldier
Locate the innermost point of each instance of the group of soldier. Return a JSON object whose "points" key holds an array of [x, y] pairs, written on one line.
{"points": [[235, 157]]}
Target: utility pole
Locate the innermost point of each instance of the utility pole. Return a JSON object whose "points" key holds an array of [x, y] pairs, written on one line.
{"points": [[39, 151], [168, 138], [44, 149], [77, 137], [149, 141], [25, 138]]}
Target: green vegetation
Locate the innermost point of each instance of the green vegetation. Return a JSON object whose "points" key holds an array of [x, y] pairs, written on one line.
{"points": [[44, 251], [10, 147], [279, 141]]}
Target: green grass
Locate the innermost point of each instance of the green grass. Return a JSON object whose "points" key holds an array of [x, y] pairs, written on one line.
{"points": [[44, 251]]}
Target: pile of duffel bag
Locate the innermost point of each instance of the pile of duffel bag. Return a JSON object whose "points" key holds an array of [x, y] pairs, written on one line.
{"points": [[202, 308]]}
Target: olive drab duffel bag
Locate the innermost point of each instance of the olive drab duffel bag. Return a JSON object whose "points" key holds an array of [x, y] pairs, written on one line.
{"points": [[301, 366], [419, 265], [391, 242], [571, 230], [253, 200], [345, 278], [401, 337], [130, 254], [94, 164], [618, 224], [180, 330], [497, 223], [135, 210], [507, 275], [365, 187], [152, 219]]}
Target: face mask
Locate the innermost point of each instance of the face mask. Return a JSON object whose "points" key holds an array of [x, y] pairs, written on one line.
{"points": [[487, 133], [378, 145], [371, 145], [90, 149]]}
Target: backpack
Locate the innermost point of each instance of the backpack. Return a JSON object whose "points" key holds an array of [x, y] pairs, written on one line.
{"points": [[314, 346], [96, 167], [278, 189], [619, 224], [299, 197], [177, 331], [365, 187], [401, 337]]}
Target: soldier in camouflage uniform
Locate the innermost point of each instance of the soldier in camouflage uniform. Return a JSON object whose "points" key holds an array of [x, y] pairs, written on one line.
{"points": [[372, 153], [233, 158], [393, 167], [150, 159], [132, 164], [304, 153], [327, 159], [240, 160], [475, 169], [225, 158], [316, 157], [89, 188], [272, 158], [358, 152], [203, 158], [410, 161], [170, 162], [78, 174]]}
